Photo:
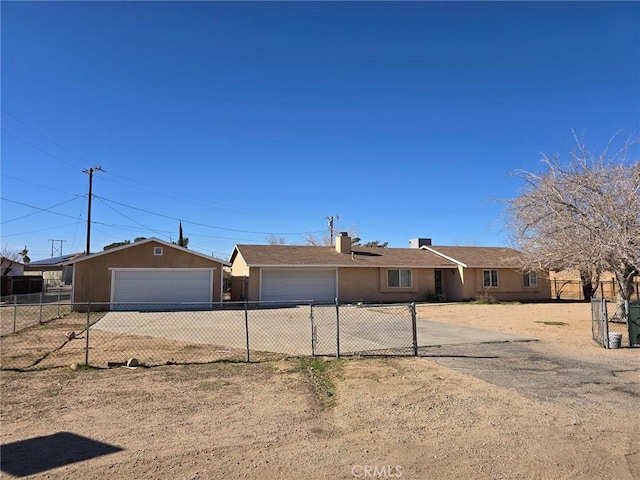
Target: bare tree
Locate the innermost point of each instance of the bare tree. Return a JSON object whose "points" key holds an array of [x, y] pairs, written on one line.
{"points": [[273, 240], [323, 241], [582, 215]]}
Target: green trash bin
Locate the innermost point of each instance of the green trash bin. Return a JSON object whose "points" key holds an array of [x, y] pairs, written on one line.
{"points": [[634, 324]]}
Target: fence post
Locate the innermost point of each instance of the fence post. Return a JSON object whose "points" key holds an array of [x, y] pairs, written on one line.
{"points": [[15, 313], [627, 318], [86, 335], [613, 289], [337, 329], [414, 329], [40, 321], [246, 327], [58, 303], [605, 321], [313, 331]]}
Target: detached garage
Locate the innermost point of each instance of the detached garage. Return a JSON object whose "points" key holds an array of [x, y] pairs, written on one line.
{"points": [[160, 286], [146, 275]]}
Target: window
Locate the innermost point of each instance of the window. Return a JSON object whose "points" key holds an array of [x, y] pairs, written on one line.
{"points": [[530, 279], [399, 278], [490, 278], [157, 251]]}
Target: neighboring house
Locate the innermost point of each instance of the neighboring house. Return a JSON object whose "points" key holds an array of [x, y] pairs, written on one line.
{"points": [[150, 273], [10, 267], [12, 280], [384, 275], [55, 271], [489, 271]]}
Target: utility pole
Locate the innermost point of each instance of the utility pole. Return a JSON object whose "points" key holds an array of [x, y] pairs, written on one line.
{"points": [[330, 225], [90, 173], [57, 250]]}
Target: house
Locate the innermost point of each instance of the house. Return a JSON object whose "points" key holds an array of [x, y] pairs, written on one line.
{"points": [[379, 275], [322, 274], [493, 272], [55, 270], [146, 275], [9, 268], [13, 281]]}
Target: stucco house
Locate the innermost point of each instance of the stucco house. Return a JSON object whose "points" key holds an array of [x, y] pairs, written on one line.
{"points": [[146, 275], [385, 275], [321, 274]]}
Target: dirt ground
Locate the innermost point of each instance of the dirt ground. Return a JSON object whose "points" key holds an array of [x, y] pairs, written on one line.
{"points": [[558, 407]]}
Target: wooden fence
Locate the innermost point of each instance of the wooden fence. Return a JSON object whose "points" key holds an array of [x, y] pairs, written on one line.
{"points": [[572, 289]]}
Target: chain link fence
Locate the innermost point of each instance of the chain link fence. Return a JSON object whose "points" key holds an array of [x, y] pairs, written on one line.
{"points": [[51, 295], [613, 324], [107, 335]]}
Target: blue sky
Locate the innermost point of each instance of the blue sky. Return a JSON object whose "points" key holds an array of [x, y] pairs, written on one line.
{"points": [[246, 119]]}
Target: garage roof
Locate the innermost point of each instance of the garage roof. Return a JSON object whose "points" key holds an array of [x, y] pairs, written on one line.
{"points": [[142, 242], [312, 256]]}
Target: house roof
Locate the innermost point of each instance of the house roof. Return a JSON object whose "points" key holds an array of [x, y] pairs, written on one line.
{"points": [[55, 261], [312, 256], [12, 262], [478, 257], [142, 242]]}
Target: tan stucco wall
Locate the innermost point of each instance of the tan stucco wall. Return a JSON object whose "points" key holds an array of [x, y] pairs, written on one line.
{"points": [[92, 277], [510, 286], [370, 285]]}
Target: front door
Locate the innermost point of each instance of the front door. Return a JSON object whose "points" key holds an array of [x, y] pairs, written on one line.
{"points": [[438, 283]]}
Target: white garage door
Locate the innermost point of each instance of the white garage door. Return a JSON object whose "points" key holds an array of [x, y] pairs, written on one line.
{"points": [[298, 285], [160, 286]]}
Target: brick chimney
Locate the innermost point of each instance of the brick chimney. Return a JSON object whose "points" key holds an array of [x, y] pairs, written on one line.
{"points": [[343, 243]]}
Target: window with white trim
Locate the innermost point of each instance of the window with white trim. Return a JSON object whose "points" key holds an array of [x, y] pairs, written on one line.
{"points": [[399, 278], [489, 278], [158, 251], [530, 279]]}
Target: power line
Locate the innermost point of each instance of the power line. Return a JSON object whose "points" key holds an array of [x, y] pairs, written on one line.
{"points": [[189, 198], [34, 184], [202, 224], [127, 217], [40, 149], [40, 210], [137, 182], [38, 230], [43, 135]]}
